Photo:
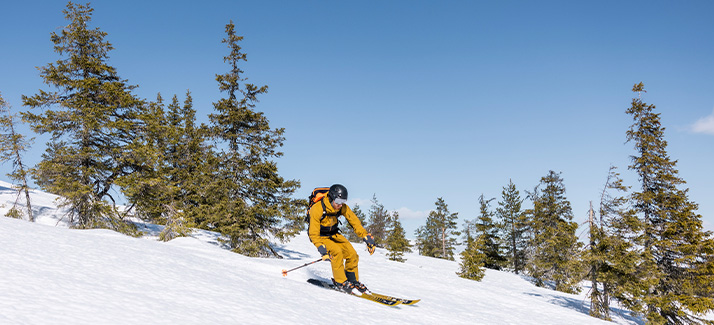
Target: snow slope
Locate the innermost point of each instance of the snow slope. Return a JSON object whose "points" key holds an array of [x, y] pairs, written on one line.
{"points": [[56, 275], [44, 205]]}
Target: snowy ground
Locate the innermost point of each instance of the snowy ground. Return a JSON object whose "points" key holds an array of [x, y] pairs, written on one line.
{"points": [[53, 275]]}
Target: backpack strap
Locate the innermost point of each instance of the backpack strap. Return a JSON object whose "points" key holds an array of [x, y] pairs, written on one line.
{"points": [[329, 231], [325, 214]]}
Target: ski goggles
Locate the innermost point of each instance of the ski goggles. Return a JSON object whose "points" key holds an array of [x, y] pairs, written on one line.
{"points": [[340, 201]]}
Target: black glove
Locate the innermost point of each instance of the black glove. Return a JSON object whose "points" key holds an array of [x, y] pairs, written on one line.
{"points": [[371, 246], [323, 251]]}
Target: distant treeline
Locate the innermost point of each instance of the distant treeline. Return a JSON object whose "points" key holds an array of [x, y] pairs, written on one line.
{"points": [[646, 249]]}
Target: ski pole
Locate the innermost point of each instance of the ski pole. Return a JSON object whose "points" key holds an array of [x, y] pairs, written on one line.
{"points": [[285, 272]]}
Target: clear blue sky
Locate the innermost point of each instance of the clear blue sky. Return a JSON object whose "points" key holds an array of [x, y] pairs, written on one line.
{"points": [[415, 100]]}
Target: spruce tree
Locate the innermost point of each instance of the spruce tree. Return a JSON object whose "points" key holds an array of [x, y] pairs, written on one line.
{"points": [[514, 226], [427, 238], [188, 159], [91, 119], [473, 257], [555, 246], [378, 222], [12, 146], [611, 256], [675, 275], [397, 243], [155, 189], [437, 237], [251, 200], [175, 224], [193, 163], [488, 236], [595, 258], [146, 189]]}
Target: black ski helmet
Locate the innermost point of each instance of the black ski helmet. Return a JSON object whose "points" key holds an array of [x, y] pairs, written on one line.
{"points": [[337, 191]]}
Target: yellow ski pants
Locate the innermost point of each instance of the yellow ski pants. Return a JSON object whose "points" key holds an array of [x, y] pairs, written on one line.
{"points": [[344, 258]]}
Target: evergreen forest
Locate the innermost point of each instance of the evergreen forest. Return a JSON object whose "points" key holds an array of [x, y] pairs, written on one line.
{"points": [[646, 245]]}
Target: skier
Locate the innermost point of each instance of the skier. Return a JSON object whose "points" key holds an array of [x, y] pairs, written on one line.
{"points": [[324, 234]]}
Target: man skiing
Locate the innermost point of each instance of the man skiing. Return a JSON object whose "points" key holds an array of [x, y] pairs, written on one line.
{"points": [[324, 234]]}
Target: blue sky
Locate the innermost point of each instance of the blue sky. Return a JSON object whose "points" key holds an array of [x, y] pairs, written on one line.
{"points": [[415, 100]]}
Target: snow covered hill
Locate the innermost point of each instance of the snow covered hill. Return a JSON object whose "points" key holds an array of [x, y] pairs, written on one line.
{"points": [[54, 275]]}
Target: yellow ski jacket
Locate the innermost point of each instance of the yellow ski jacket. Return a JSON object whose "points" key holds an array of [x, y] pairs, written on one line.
{"points": [[322, 229]]}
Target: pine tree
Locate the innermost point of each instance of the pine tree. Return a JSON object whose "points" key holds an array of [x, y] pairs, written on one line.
{"points": [[378, 222], [675, 276], [252, 201], [346, 228], [91, 119], [397, 243], [514, 225], [436, 238], [473, 257], [488, 236], [555, 246], [12, 146]]}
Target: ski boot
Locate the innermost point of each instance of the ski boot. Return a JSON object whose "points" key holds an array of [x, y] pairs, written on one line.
{"points": [[347, 287], [361, 287]]}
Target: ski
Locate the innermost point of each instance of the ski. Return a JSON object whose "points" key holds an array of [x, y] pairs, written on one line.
{"points": [[407, 302], [370, 297]]}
